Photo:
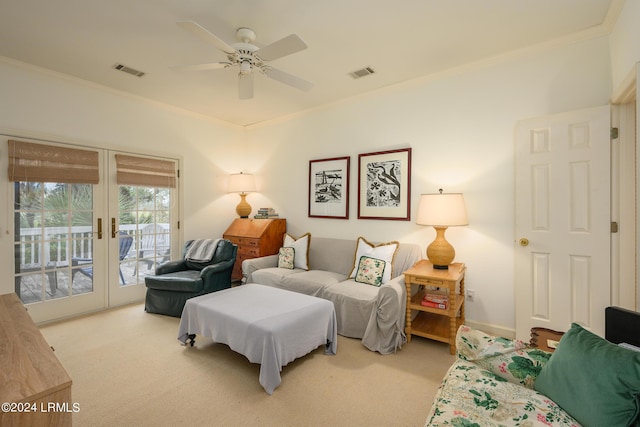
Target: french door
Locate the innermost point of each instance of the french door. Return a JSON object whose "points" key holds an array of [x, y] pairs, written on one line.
{"points": [[142, 217], [81, 247]]}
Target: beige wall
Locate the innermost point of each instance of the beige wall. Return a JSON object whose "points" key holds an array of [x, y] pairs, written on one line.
{"points": [[45, 105], [625, 43], [459, 124]]}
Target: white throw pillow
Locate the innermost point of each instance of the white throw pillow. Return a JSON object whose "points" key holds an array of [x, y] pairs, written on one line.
{"points": [[383, 251], [301, 246]]}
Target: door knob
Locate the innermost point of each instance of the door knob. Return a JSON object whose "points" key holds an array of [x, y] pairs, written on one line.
{"points": [[524, 241]]}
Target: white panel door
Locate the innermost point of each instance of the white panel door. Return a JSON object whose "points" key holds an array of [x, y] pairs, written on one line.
{"points": [[563, 221]]}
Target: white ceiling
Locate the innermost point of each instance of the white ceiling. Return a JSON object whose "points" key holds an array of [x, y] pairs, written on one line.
{"points": [[401, 40]]}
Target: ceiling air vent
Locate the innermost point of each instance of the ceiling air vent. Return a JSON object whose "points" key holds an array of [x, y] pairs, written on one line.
{"points": [[362, 72], [129, 70]]}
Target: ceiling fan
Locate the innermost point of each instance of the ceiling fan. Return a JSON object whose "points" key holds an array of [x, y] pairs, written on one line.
{"points": [[248, 57]]}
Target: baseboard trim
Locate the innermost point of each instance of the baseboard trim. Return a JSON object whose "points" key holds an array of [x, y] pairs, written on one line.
{"points": [[497, 330]]}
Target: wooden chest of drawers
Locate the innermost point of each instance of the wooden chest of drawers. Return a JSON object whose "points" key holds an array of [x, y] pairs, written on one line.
{"points": [[255, 238]]}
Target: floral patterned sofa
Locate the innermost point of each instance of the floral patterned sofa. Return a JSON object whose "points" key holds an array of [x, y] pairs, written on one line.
{"points": [[492, 381]]}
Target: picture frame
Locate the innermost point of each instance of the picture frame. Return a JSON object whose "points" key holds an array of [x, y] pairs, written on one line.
{"points": [[384, 185], [329, 188]]}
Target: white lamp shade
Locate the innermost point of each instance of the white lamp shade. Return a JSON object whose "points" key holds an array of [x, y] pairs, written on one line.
{"points": [[241, 183], [442, 210]]}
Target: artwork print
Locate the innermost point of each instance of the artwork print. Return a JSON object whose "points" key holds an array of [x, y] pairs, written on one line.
{"points": [[384, 185], [329, 188]]}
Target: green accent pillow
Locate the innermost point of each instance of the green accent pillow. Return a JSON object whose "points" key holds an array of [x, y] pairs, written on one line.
{"points": [[595, 381], [286, 258], [370, 271]]}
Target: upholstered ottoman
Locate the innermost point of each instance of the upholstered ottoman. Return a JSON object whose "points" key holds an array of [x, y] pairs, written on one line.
{"points": [[267, 325]]}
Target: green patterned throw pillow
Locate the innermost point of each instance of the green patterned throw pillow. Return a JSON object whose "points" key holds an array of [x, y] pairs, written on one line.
{"points": [[286, 257], [301, 246], [370, 271], [595, 381], [382, 251]]}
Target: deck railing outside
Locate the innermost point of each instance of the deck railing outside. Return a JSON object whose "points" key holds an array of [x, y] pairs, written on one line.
{"points": [[55, 248]]}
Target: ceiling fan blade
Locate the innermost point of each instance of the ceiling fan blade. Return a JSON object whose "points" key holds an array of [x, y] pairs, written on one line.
{"points": [[288, 79], [283, 47], [206, 36], [202, 67], [245, 86]]}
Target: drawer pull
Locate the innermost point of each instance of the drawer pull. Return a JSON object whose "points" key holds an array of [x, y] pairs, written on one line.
{"points": [[429, 282]]}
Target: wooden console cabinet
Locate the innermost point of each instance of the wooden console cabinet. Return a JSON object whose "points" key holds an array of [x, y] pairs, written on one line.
{"points": [[435, 323], [255, 238], [545, 339], [34, 387]]}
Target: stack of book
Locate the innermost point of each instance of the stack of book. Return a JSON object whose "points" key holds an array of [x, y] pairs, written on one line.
{"points": [[266, 213], [435, 299]]}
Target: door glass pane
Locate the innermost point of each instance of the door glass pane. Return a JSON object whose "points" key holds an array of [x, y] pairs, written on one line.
{"points": [[53, 240], [143, 215]]}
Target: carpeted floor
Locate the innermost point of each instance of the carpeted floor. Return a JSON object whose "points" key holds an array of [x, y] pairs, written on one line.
{"points": [[128, 369]]}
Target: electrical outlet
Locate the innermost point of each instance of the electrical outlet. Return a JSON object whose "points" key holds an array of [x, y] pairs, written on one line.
{"points": [[471, 295]]}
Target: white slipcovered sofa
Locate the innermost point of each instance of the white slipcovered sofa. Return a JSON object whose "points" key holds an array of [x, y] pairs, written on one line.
{"points": [[376, 314]]}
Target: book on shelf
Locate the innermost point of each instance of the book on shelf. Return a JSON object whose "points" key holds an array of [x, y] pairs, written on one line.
{"points": [[436, 296], [264, 213], [435, 299], [440, 305]]}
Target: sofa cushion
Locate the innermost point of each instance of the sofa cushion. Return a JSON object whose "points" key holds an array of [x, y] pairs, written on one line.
{"points": [[285, 258], [383, 251], [490, 384], [370, 271], [301, 247], [510, 359], [272, 276], [332, 255], [597, 382], [311, 282], [472, 396], [180, 281]]}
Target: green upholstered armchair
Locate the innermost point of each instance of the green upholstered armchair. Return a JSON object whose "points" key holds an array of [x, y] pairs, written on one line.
{"points": [[175, 282]]}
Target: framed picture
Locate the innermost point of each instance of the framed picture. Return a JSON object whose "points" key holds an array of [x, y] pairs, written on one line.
{"points": [[384, 185], [329, 188]]}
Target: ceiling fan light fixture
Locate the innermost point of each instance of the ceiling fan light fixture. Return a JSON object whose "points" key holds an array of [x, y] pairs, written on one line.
{"points": [[249, 58], [245, 67]]}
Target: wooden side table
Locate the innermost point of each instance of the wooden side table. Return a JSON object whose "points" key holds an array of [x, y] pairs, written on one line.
{"points": [[255, 238], [435, 323]]}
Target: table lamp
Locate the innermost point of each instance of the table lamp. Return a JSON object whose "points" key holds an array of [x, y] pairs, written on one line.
{"points": [[242, 183], [441, 211]]}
